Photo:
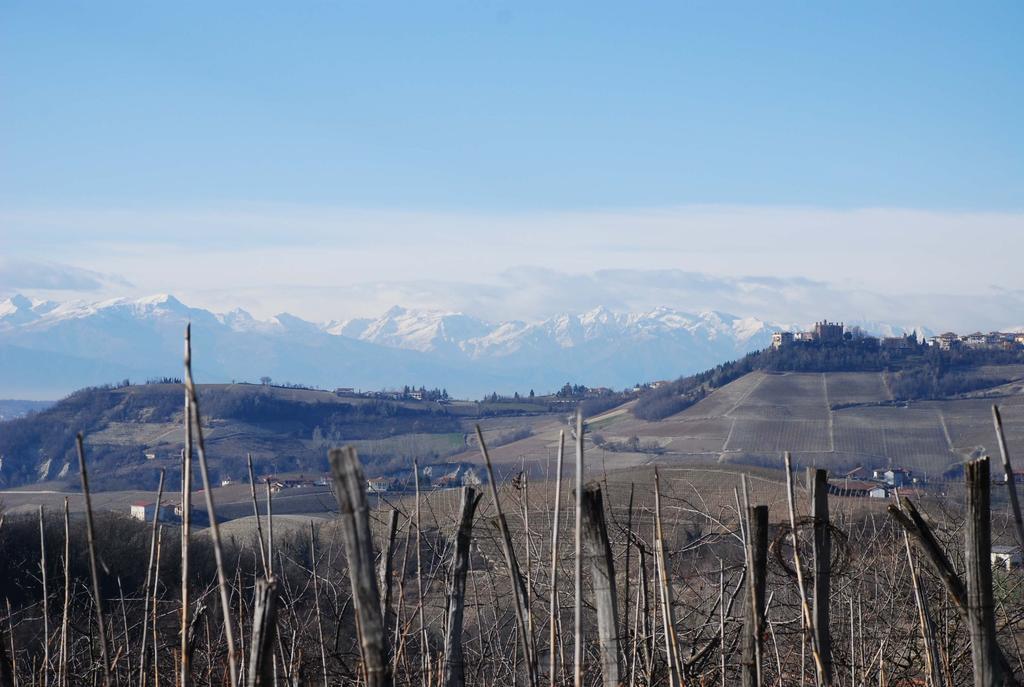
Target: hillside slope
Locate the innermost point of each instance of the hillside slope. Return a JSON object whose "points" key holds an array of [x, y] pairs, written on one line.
{"points": [[132, 432], [837, 420]]}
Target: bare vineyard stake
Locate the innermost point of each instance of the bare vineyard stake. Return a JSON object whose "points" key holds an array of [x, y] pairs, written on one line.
{"points": [[671, 645], [797, 564], [554, 638], [185, 678], [316, 600], [62, 661], [218, 554], [264, 629], [150, 581], [518, 588], [256, 512], [978, 559], [918, 529], [91, 540], [386, 568], [1008, 472], [932, 670], [822, 570], [454, 675], [46, 600], [350, 490], [156, 645], [602, 573], [578, 560], [424, 647], [756, 547]]}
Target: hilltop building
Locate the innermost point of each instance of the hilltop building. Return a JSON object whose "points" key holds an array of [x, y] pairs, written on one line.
{"points": [[780, 339], [828, 332]]}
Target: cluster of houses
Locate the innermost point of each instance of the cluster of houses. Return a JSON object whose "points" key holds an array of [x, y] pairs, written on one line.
{"points": [[406, 394], [993, 341], [879, 485], [460, 475]]}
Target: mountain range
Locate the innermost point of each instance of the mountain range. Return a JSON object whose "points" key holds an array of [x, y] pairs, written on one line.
{"points": [[48, 349]]}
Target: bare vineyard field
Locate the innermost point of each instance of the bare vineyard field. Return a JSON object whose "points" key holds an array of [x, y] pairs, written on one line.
{"points": [[856, 387]]}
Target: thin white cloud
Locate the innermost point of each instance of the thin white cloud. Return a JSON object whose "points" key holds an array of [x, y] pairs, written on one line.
{"points": [[326, 263], [17, 274]]}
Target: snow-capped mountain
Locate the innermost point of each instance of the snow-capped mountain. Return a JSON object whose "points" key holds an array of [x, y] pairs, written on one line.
{"points": [[49, 348]]}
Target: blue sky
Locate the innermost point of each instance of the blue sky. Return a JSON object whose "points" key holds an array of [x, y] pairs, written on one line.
{"points": [[513, 106], [167, 117]]}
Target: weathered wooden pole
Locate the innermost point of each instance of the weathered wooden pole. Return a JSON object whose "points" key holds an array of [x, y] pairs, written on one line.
{"points": [[988, 670], [602, 572], [512, 563], [1011, 485], [454, 675], [753, 619], [577, 661], [554, 638], [822, 569], [350, 490], [910, 519], [264, 633], [90, 536], [387, 568]]}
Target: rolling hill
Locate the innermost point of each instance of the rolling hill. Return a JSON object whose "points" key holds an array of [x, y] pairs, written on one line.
{"points": [[836, 420]]}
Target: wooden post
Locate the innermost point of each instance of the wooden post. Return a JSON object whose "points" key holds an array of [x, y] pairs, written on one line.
{"points": [[602, 572], [757, 563], [1004, 452], [978, 559], [822, 569], [675, 673], [46, 601], [453, 658], [264, 632], [350, 490], [512, 563], [91, 542], [577, 654], [554, 639], [386, 568], [918, 529]]}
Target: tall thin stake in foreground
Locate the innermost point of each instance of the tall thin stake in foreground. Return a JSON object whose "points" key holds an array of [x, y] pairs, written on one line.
{"points": [[185, 678], [218, 555], [978, 561], [354, 518], [578, 561], [822, 569], [454, 670], [518, 588], [553, 636], [62, 661], [756, 546], [91, 541], [675, 676], [151, 576], [602, 573], [256, 514], [46, 600], [797, 563], [1011, 485]]}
